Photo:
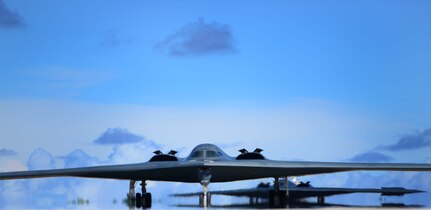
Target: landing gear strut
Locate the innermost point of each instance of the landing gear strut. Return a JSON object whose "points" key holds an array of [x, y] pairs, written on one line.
{"points": [[204, 177], [321, 200], [131, 199], [202, 200], [143, 199], [277, 198], [253, 201]]}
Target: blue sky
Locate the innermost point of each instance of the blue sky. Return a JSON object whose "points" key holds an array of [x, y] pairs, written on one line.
{"points": [[367, 53], [291, 77]]}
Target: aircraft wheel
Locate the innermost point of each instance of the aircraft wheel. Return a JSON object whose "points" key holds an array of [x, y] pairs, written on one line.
{"points": [[282, 198], [209, 199], [138, 200], [320, 200], [201, 200], [273, 199], [147, 200], [277, 200]]}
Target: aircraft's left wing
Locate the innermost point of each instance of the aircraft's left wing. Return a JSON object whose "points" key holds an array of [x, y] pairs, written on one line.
{"points": [[158, 171]]}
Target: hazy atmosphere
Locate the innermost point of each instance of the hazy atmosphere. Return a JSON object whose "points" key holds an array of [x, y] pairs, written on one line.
{"points": [[108, 82]]}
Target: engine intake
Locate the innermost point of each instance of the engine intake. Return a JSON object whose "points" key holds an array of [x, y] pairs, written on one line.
{"points": [[304, 184], [263, 185], [246, 155], [164, 157]]}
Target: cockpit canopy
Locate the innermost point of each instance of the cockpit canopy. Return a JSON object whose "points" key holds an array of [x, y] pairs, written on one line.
{"points": [[207, 151]]}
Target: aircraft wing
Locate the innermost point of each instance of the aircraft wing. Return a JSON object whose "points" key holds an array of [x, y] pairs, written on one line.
{"points": [[221, 170], [304, 192], [164, 171], [253, 169]]}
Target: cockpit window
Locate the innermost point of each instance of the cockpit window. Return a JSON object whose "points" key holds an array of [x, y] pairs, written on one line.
{"points": [[212, 154], [198, 154]]}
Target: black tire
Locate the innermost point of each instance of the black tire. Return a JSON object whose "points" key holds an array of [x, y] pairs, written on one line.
{"points": [[201, 200], [283, 199], [321, 200], [271, 199], [147, 200], [209, 199], [277, 200], [138, 200]]}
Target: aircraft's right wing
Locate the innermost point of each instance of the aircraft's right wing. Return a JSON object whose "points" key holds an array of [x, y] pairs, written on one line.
{"points": [[234, 170], [304, 192]]}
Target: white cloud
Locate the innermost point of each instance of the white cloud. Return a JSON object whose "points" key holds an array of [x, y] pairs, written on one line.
{"points": [[41, 159], [57, 192]]}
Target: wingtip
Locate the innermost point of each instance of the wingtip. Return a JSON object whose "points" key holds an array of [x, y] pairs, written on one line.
{"points": [[419, 191], [408, 191]]}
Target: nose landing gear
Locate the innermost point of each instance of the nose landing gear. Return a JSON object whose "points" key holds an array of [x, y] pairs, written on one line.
{"points": [[278, 198], [204, 175]]}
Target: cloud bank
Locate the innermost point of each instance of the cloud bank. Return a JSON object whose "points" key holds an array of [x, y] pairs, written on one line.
{"points": [[78, 158], [48, 193], [121, 136], [7, 152], [199, 38], [40, 159], [410, 142], [8, 18], [372, 157], [54, 193]]}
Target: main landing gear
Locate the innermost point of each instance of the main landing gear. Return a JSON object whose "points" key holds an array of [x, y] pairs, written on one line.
{"points": [[321, 200], [143, 199], [278, 197]]}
